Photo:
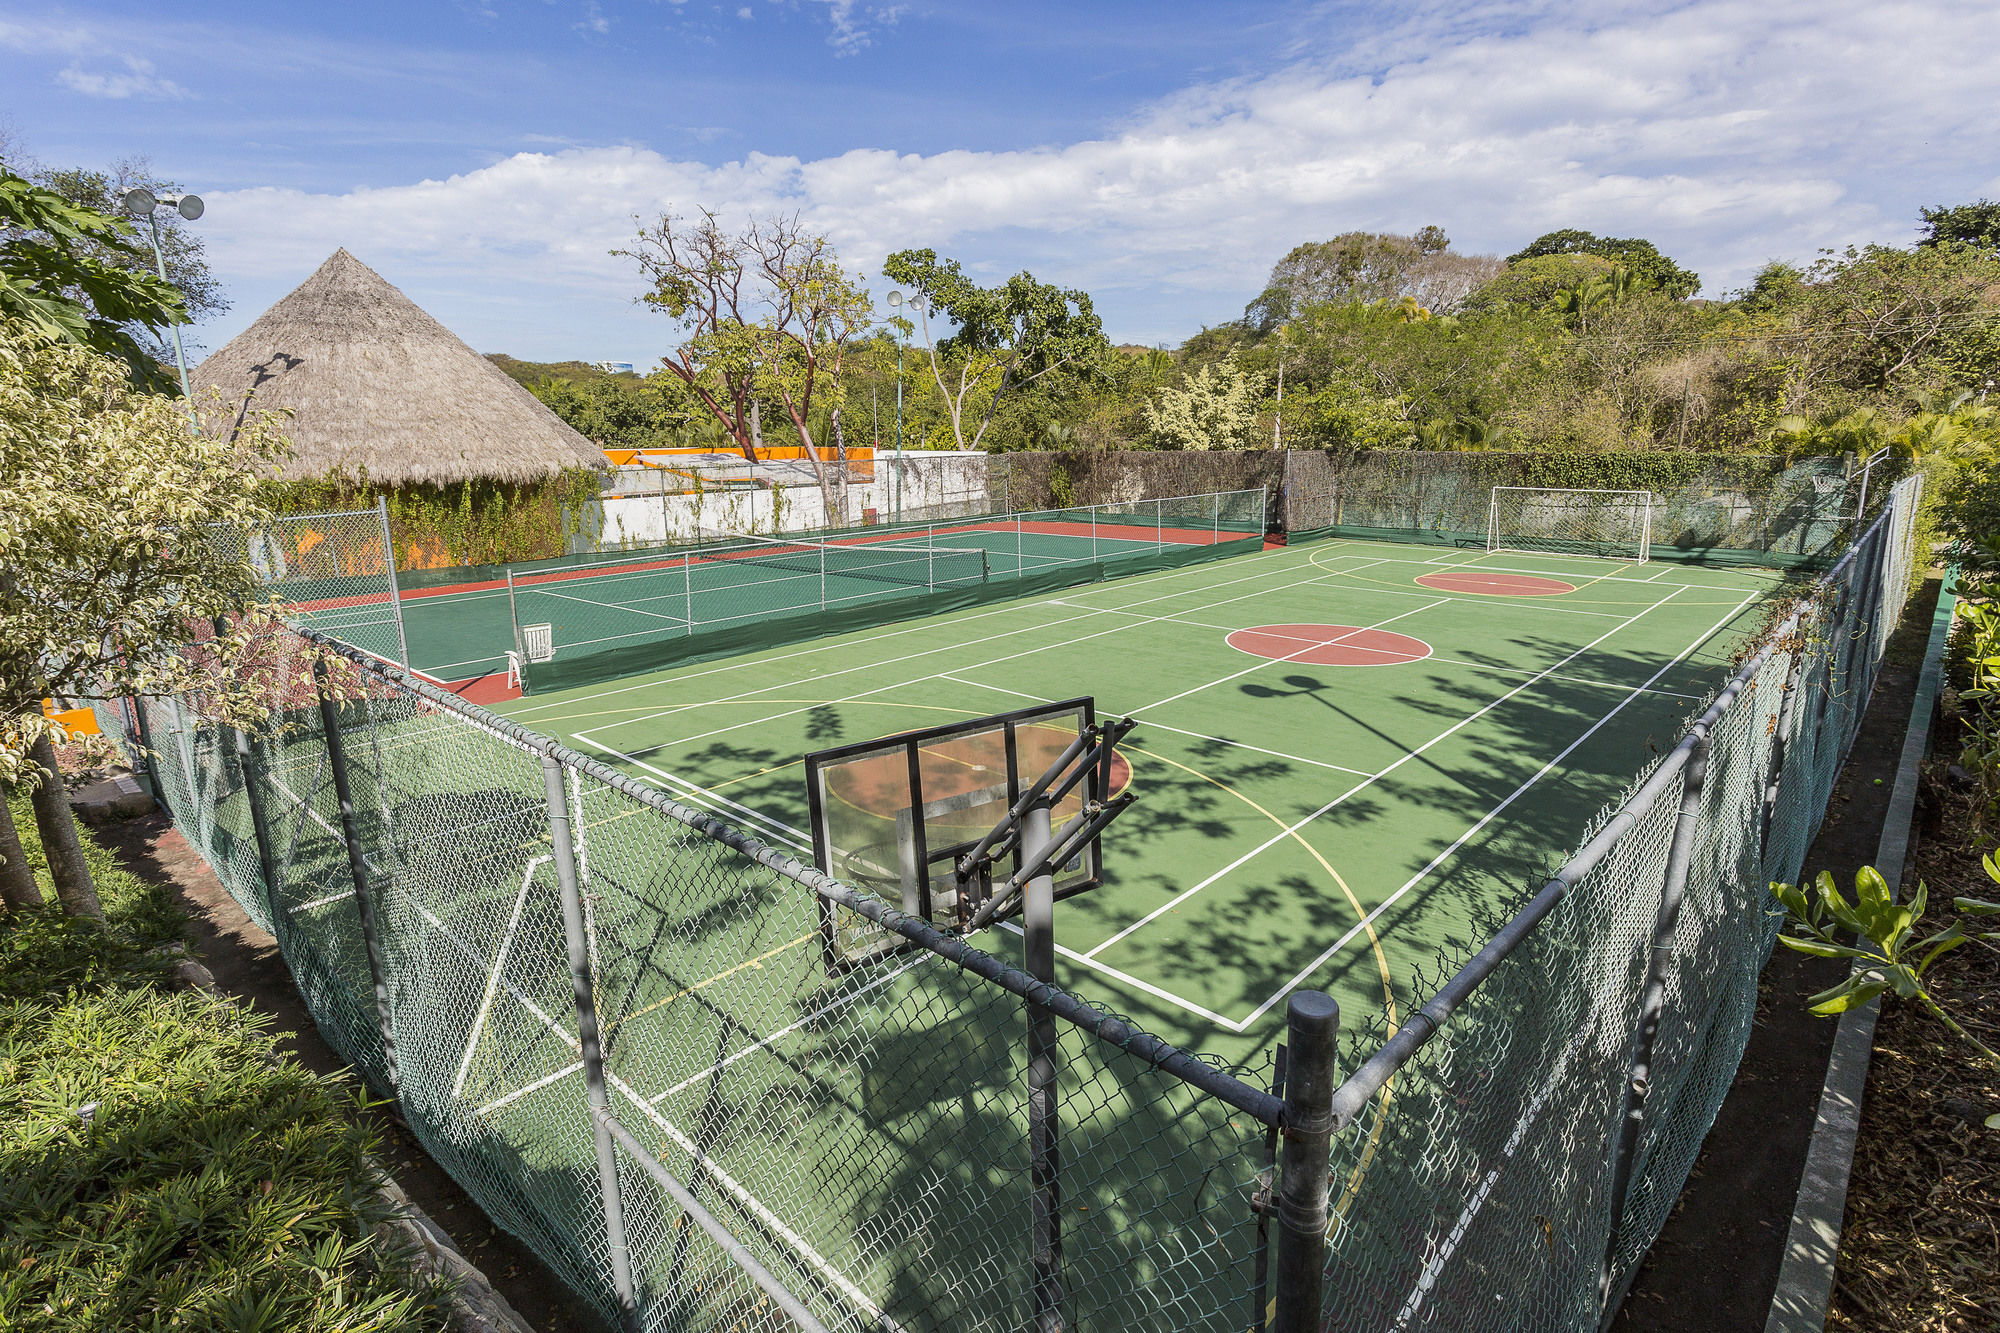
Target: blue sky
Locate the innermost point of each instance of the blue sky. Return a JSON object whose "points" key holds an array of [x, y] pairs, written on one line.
{"points": [[486, 155]]}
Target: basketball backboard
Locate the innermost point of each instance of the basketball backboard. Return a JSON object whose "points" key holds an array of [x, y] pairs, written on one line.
{"points": [[893, 815]]}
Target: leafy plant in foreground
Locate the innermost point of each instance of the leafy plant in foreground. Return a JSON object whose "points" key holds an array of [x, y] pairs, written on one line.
{"points": [[1887, 954]]}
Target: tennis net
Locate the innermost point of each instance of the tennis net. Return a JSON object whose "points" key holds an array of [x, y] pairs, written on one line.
{"points": [[927, 566]]}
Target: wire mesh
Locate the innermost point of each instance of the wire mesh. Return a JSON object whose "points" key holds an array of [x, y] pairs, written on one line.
{"points": [[861, 1133], [1795, 513]]}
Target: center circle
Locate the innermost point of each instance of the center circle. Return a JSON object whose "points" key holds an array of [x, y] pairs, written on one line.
{"points": [[1329, 645], [1494, 583]]}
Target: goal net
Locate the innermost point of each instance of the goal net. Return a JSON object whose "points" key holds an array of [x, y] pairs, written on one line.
{"points": [[1616, 524]]}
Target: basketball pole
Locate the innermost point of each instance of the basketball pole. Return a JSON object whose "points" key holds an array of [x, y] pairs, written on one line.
{"points": [[1039, 954]]}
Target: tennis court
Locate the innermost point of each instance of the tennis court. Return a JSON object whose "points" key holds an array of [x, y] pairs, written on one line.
{"points": [[577, 619], [1350, 755]]}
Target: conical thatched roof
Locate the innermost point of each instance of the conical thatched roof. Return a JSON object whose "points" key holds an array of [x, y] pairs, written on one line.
{"points": [[376, 384]]}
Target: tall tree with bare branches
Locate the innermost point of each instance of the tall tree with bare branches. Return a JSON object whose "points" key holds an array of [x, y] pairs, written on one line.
{"points": [[766, 314]]}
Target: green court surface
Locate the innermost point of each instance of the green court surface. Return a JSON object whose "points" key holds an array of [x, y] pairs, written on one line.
{"points": [[1350, 756], [736, 590]]}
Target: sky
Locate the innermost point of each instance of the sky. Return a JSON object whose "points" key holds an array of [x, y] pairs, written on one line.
{"points": [[487, 156]]}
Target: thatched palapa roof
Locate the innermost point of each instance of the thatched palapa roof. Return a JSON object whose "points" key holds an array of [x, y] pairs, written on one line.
{"points": [[376, 384]]}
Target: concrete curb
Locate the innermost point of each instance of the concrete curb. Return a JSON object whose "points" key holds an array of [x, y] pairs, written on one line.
{"points": [[1805, 1276]]}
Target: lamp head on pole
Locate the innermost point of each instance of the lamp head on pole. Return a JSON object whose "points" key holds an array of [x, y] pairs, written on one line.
{"points": [[141, 202]]}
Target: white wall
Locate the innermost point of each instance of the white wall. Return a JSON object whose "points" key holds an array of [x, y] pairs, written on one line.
{"points": [[930, 480]]}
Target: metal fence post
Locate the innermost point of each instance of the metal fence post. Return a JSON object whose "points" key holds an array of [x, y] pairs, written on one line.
{"points": [[148, 762], [1780, 732], [588, 1039], [1312, 1028], [357, 869], [260, 829], [395, 591], [1653, 997], [1044, 1182]]}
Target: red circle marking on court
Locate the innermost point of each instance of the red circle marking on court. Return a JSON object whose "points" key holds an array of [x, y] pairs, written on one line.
{"points": [[1329, 645], [1495, 584]]}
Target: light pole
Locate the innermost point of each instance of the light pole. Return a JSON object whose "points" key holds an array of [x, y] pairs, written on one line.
{"points": [[896, 483], [142, 202]]}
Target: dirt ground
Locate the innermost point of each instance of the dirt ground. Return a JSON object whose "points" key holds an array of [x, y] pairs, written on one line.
{"points": [[1920, 1245], [248, 966]]}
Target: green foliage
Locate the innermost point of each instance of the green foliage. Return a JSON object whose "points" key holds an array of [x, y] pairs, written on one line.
{"points": [[1888, 957], [46, 952], [210, 1184], [79, 275], [1975, 224], [160, 1166], [1005, 337], [1214, 408], [1536, 281], [1649, 267], [180, 246], [1360, 266], [98, 575], [465, 523]]}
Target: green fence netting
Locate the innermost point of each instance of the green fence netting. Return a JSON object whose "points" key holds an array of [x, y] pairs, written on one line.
{"points": [[858, 1136]]}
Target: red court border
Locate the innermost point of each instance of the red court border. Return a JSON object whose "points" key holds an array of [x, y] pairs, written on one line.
{"points": [[1493, 583], [1328, 645]]}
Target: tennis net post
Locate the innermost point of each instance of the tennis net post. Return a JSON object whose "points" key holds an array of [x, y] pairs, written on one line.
{"points": [[1312, 1031], [389, 563]]}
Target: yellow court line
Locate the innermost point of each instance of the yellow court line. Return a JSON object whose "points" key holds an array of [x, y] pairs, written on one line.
{"points": [[1353, 1187], [757, 962]]}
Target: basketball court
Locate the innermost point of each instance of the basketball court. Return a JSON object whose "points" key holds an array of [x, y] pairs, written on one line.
{"points": [[1349, 756]]}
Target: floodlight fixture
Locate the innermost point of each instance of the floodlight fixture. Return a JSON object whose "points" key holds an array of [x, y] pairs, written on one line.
{"points": [[140, 202]]}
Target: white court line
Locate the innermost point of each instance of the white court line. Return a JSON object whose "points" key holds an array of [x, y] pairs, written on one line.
{"points": [[526, 1088], [1488, 818], [1469, 718], [787, 1031], [630, 606], [1132, 981], [493, 977], [896, 685], [1447, 661], [773, 826], [813, 1258], [1274, 661], [1012, 608], [821, 678], [1183, 731]]}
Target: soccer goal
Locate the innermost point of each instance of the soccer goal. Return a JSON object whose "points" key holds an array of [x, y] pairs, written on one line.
{"points": [[1614, 524]]}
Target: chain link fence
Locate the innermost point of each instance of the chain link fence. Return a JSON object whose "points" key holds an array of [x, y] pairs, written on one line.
{"points": [[608, 1016], [1756, 508]]}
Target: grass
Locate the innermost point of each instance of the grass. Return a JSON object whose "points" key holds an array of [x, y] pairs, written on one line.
{"points": [[161, 1166]]}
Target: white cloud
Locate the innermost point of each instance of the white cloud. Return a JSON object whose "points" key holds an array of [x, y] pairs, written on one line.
{"points": [[848, 21], [1726, 134], [137, 80]]}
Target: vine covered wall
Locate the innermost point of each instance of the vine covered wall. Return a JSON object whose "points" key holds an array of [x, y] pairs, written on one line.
{"points": [[478, 522]]}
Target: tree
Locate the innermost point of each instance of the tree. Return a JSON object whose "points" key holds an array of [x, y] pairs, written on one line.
{"points": [[79, 275], [181, 247], [1648, 265], [1368, 266], [1007, 337], [114, 555], [1214, 408], [768, 310], [1538, 282], [1975, 224]]}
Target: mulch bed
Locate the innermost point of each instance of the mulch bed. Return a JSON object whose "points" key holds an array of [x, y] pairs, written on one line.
{"points": [[1920, 1247]]}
